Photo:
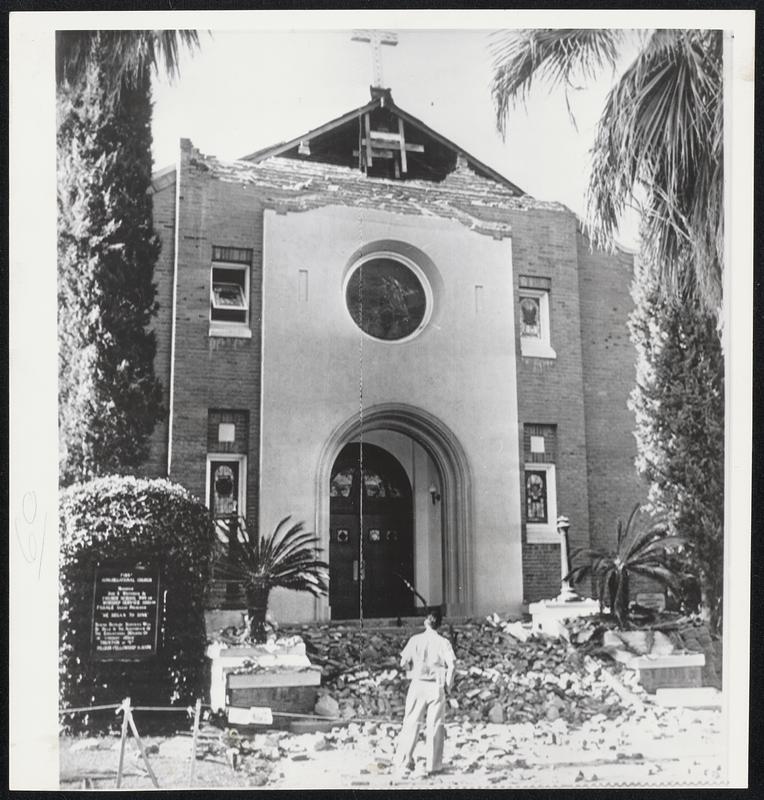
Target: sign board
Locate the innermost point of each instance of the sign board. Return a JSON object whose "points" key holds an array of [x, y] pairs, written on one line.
{"points": [[654, 600], [255, 715], [126, 608]]}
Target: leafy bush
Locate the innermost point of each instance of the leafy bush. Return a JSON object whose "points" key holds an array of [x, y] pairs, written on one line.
{"points": [[132, 519], [287, 558], [645, 553]]}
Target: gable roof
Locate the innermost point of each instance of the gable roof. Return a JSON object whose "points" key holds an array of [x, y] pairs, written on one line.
{"points": [[382, 99]]}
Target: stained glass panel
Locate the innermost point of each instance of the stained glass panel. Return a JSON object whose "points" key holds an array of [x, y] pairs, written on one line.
{"points": [[530, 317], [376, 486], [386, 299], [535, 496], [225, 489], [342, 483]]}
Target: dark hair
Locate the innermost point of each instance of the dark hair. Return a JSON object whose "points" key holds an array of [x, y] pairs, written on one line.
{"points": [[434, 616]]}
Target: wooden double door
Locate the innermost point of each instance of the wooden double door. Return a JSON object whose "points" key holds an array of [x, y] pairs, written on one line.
{"points": [[371, 535]]}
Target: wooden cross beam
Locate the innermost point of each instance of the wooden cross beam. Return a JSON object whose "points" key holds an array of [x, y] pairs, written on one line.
{"points": [[376, 39]]}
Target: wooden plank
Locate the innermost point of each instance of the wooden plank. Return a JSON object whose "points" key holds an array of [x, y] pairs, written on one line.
{"points": [[403, 145], [369, 159], [392, 137], [197, 714], [125, 708], [142, 750], [378, 153], [385, 145]]}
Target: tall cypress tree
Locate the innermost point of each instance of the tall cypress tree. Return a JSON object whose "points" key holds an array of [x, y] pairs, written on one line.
{"points": [[679, 408], [109, 396]]}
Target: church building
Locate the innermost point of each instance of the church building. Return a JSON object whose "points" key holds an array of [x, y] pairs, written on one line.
{"points": [[372, 331]]}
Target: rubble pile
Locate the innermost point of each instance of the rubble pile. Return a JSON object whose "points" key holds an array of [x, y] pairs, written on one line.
{"points": [[504, 674]]}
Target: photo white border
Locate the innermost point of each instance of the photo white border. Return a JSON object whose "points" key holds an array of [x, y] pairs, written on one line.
{"points": [[33, 500]]}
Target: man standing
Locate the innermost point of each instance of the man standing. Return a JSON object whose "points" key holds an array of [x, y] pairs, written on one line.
{"points": [[430, 660]]}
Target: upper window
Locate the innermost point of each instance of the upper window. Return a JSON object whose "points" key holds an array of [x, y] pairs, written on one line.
{"points": [[533, 312], [388, 297], [229, 291]]}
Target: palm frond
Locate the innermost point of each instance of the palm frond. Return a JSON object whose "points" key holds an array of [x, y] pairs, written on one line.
{"points": [[552, 55], [652, 547], [288, 557], [659, 573], [660, 134]]}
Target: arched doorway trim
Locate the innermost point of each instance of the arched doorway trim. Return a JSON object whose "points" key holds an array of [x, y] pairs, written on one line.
{"points": [[456, 491]]}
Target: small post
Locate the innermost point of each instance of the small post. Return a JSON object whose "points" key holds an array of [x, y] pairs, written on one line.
{"points": [[138, 741], [125, 709], [567, 593], [197, 714]]}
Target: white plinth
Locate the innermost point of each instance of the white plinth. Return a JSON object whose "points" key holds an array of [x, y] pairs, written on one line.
{"points": [[283, 653], [547, 615]]}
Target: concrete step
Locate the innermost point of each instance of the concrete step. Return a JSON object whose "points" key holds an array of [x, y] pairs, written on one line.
{"points": [[689, 697]]}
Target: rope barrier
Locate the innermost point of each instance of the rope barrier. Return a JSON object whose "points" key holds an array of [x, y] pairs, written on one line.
{"points": [[190, 710], [87, 708]]}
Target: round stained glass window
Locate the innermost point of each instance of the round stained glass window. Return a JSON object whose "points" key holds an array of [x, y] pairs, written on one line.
{"points": [[386, 299]]}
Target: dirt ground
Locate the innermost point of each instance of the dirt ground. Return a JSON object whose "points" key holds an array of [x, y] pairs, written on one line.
{"points": [[653, 747]]}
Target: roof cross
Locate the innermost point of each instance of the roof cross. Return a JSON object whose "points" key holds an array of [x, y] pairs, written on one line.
{"points": [[376, 39]]}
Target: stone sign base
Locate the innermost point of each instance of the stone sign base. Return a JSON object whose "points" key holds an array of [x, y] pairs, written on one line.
{"points": [[547, 615], [277, 675], [289, 690]]}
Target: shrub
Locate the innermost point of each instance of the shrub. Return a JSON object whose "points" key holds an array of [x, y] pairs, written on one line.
{"points": [[109, 394], [678, 404], [123, 518]]}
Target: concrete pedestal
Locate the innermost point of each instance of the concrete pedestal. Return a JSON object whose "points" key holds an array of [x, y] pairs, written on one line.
{"points": [[280, 665], [547, 615]]}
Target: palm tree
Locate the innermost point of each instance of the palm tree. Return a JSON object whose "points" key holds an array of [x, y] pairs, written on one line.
{"points": [[286, 558], [645, 553], [122, 55], [658, 142]]}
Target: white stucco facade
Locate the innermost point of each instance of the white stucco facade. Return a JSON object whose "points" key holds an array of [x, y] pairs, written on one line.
{"points": [[321, 375]]}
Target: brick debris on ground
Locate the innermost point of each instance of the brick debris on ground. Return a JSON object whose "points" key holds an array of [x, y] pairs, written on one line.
{"points": [[498, 677]]}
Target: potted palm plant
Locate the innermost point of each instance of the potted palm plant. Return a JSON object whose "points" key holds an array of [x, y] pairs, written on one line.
{"points": [[638, 552], [288, 557]]}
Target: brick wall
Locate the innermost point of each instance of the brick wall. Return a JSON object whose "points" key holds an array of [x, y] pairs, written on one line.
{"points": [[213, 372], [609, 362], [550, 390]]}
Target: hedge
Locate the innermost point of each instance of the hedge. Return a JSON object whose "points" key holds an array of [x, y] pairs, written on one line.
{"points": [[123, 518]]}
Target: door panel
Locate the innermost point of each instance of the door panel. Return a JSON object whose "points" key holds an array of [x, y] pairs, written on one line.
{"points": [[344, 574], [386, 542], [385, 515]]}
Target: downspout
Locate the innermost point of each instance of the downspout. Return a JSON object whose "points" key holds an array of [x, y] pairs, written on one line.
{"points": [[171, 411]]}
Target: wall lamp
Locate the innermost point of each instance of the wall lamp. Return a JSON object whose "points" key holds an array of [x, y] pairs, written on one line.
{"points": [[434, 494]]}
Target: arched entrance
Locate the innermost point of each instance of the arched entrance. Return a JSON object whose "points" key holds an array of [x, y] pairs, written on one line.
{"points": [[454, 490], [370, 534]]}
